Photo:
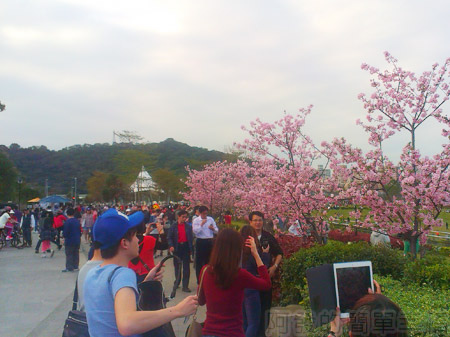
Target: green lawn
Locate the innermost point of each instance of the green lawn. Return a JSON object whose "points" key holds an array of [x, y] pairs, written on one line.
{"points": [[343, 213]]}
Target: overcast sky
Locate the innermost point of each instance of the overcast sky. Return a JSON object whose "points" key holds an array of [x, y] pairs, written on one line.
{"points": [[72, 71]]}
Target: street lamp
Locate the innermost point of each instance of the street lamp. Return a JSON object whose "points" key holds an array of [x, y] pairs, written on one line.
{"points": [[19, 181]]}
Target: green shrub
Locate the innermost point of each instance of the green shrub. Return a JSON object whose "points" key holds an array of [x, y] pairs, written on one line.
{"points": [[427, 309], [445, 251], [433, 270], [385, 261]]}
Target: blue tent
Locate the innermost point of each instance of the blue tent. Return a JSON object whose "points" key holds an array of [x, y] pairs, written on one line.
{"points": [[54, 199]]}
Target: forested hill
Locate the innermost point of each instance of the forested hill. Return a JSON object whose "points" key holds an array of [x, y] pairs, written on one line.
{"points": [[37, 163]]}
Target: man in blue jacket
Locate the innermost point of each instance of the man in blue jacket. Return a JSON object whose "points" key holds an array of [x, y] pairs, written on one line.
{"points": [[72, 239], [180, 239]]}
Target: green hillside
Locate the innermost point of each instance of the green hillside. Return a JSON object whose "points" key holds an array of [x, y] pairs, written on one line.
{"points": [[37, 163]]}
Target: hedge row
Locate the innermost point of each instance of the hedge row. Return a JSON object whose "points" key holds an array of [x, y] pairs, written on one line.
{"points": [[432, 269]]}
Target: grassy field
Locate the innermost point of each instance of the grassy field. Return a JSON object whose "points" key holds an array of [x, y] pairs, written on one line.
{"points": [[343, 213]]}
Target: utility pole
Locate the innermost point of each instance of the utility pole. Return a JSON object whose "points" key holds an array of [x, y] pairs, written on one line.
{"points": [[46, 187], [19, 181], [75, 187]]}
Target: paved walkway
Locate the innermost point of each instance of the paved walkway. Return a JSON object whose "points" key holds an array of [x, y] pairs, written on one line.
{"points": [[36, 296]]}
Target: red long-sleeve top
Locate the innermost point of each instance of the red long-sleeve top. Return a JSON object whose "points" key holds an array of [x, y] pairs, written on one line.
{"points": [[146, 255], [224, 306]]}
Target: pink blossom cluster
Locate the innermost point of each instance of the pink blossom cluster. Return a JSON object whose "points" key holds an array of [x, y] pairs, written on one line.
{"points": [[403, 101], [277, 177]]}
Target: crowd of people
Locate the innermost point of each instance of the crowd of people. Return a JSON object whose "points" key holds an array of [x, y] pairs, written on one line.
{"points": [[233, 269]]}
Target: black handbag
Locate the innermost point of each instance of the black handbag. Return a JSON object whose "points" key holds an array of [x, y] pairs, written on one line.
{"points": [[76, 322], [151, 298]]}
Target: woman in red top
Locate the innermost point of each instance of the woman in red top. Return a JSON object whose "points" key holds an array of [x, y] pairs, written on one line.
{"points": [[224, 282], [146, 251]]}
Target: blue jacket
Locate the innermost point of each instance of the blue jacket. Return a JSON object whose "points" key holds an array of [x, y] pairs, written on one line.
{"points": [[172, 236], [72, 232]]}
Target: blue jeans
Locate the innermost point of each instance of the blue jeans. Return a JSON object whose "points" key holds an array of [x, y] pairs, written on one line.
{"points": [[252, 312]]}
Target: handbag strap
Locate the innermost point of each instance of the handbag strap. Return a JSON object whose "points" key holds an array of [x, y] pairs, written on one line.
{"points": [[199, 290], [143, 263], [75, 293], [75, 296]]}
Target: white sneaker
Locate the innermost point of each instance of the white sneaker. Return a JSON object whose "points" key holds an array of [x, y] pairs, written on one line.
{"points": [[44, 255]]}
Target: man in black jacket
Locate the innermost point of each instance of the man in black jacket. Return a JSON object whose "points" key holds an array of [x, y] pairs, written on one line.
{"points": [[276, 254], [180, 240], [27, 223]]}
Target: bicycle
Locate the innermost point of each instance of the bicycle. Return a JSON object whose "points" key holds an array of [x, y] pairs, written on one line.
{"points": [[2, 238], [17, 238]]}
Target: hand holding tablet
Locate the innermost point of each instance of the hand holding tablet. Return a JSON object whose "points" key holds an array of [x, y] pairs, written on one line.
{"points": [[352, 281], [338, 285]]}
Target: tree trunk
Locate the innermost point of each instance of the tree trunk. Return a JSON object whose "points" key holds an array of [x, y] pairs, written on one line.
{"points": [[413, 245]]}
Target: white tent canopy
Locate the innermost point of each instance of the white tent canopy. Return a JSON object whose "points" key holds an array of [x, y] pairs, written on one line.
{"points": [[144, 182]]}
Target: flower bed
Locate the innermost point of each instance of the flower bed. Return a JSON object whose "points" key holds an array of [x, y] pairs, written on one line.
{"points": [[355, 236]]}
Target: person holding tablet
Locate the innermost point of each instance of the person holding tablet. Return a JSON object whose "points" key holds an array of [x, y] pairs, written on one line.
{"points": [[374, 315]]}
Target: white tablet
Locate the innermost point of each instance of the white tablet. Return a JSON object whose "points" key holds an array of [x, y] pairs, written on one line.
{"points": [[352, 280]]}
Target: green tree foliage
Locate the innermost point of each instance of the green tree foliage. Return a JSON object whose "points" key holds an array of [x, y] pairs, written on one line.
{"points": [[105, 187], [95, 186], [128, 163], [169, 183], [114, 188], [38, 163], [8, 178], [28, 193]]}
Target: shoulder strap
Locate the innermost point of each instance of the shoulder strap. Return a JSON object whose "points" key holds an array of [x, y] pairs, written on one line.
{"points": [[109, 279], [75, 293], [143, 263], [111, 275], [201, 280], [75, 296], [199, 289]]}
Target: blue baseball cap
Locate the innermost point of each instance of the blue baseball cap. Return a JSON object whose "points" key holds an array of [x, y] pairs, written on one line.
{"points": [[112, 225]]}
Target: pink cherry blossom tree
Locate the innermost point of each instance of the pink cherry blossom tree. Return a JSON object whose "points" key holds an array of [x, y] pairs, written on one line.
{"points": [[404, 197], [277, 176], [210, 187], [281, 174]]}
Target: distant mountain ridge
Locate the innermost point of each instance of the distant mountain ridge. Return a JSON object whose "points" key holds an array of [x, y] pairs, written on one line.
{"points": [[37, 163]]}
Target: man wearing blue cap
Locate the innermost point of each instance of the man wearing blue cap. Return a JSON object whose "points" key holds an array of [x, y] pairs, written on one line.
{"points": [[110, 289]]}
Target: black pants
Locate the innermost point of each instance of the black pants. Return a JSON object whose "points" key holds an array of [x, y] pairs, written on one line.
{"points": [[266, 303], [58, 235], [183, 253], [72, 257], [203, 248], [26, 236]]}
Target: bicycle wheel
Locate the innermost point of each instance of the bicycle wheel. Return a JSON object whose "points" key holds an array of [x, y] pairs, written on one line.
{"points": [[15, 241]]}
